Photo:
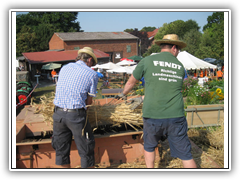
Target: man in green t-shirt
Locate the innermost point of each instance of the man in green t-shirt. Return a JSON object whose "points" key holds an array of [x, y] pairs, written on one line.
{"points": [[163, 107]]}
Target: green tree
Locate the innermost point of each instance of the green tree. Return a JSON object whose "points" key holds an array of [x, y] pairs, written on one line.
{"points": [[129, 30], [184, 30], [148, 29], [193, 40], [212, 44], [43, 33], [41, 26], [145, 42], [216, 18], [154, 49], [26, 40], [178, 27]]}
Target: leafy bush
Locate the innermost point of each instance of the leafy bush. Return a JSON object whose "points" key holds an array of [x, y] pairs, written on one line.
{"points": [[187, 84], [214, 84], [198, 95]]}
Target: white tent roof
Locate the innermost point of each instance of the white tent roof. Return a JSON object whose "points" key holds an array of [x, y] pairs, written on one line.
{"points": [[108, 65], [125, 62], [127, 70], [191, 62], [95, 67]]}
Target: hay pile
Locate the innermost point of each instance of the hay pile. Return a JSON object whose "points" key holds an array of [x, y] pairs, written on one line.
{"points": [[114, 113], [211, 141], [46, 107]]}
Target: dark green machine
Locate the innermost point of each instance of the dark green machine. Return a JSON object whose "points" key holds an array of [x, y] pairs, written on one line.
{"points": [[23, 90]]}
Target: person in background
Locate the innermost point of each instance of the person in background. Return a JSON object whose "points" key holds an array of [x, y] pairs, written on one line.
{"points": [[219, 74], [53, 73], [205, 73], [195, 73], [201, 73], [186, 75]]}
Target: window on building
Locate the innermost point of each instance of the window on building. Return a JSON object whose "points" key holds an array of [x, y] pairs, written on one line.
{"points": [[128, 48]]}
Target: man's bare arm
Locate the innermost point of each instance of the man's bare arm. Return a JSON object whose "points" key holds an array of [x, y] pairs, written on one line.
{"points": [[129, 85]]}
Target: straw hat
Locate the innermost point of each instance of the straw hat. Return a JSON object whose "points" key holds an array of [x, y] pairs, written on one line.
{"points": [[89, 51], [171, 39]]}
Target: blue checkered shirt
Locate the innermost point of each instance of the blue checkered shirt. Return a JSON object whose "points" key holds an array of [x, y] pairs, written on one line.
{"points": [[75, 82]]}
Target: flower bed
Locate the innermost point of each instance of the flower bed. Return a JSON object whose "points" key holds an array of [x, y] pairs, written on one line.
{"points": [[212, 92]]}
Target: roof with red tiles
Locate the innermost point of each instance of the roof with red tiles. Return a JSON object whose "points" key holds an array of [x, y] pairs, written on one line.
{"points": [[57, 56], [152, 33]]}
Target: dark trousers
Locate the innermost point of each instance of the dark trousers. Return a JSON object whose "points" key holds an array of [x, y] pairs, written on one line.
{"points": [[66, 125]]}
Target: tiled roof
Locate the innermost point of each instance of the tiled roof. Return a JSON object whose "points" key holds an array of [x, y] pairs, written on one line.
{"points": [[152, 33], [57, 56], [80, 36]]}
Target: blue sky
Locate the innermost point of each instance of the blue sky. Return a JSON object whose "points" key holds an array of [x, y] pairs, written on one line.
{"points": [[119, 21]]}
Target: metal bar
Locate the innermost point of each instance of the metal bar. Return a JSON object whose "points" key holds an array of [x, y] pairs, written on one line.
{"points": [[196, 110], [218, 116], [199, 117], [192, 118], [205, 109], [205, 125]]}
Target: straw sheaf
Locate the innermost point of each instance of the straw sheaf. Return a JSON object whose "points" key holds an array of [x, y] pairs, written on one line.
{"points": [[114, 114]]}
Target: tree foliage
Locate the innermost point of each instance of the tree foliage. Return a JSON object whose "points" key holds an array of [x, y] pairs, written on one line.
{"points": [[193, 40], [35, 29], [210, 43], [216, 18], [178, 27], [148, 29], [189, 31]]}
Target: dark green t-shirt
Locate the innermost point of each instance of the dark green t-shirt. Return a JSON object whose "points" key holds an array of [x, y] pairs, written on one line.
{"points": [[163, 75]]}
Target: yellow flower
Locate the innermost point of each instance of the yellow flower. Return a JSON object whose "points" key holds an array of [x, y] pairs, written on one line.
{"points": [[218, 91]]}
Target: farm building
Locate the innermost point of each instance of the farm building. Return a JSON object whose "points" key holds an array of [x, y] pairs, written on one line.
{"points": [[117, 44]]}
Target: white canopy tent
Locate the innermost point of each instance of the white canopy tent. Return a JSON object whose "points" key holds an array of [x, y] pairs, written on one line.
{"points": [[125, 63], [191, 62], [127, 70], [108, 65]]}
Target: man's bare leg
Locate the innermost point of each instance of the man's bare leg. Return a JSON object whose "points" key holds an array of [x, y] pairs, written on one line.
{"points": [[149, 158], [189, 163]]}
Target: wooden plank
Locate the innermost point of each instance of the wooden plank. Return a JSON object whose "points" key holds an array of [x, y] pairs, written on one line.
{"points": [[31, 117], [21, 134]]}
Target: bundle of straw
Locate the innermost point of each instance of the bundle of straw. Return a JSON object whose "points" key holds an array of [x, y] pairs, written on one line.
{"points": [[46, 108], [114, 114], [111, 113]]}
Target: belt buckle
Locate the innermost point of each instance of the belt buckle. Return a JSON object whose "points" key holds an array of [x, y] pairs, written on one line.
{"points": [[65, 109]]}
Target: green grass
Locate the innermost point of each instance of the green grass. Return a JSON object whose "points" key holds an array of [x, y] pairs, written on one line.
{"points": [[42, 91]]}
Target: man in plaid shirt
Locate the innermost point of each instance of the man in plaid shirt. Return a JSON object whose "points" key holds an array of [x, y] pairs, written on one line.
{"points": [[77, 84]]}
